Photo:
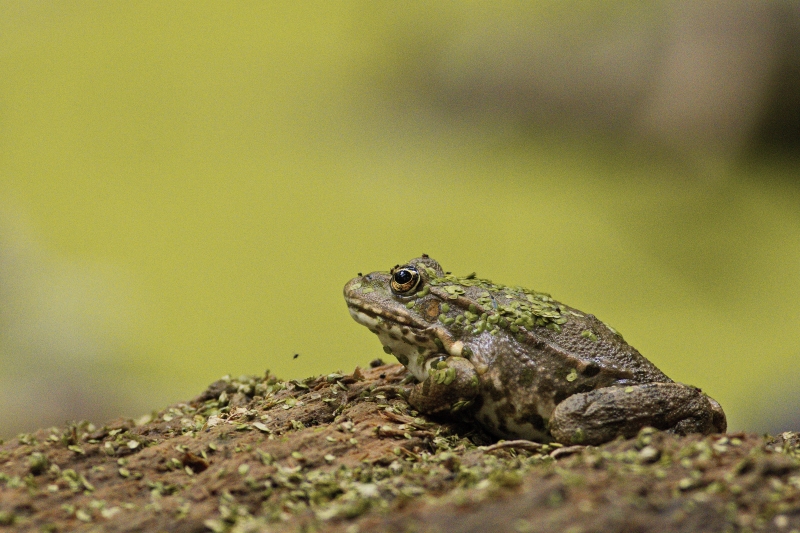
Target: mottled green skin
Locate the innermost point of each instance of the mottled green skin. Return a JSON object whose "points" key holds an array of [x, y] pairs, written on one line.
{"points": [[522, 364]]}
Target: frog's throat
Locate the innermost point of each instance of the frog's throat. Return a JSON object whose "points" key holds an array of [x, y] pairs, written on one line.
{"points": [[410, 341]]}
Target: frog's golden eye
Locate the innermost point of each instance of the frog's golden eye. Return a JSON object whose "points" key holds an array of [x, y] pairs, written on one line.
{"points": [[405, 280]]}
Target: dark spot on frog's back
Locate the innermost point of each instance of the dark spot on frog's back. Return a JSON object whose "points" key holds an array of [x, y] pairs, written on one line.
{"points": [[526, 377], [496, 395], [560, 396], [533, 419], [590, 370], [583, 386], [477, 403]]}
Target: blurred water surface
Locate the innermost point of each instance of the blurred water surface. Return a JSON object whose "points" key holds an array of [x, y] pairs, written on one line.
{"points": [[185, 189]]}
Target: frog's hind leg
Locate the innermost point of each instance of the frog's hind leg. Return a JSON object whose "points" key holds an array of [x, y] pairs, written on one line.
{"points": [[601, 415]]}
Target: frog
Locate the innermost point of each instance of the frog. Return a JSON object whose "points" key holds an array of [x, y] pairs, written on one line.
{"points": [[520, 364]]}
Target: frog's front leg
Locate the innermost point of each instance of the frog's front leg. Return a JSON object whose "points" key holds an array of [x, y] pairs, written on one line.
{"points": [[451, 385], [601, 415]]}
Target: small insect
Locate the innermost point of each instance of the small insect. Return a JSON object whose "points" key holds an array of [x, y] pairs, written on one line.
{"points": [[296, 356]]}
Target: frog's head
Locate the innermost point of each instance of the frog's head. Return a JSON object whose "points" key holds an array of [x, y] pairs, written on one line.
{"points": [[400, 308]]}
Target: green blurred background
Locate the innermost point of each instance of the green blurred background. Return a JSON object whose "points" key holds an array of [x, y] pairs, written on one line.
{"points": [[186, 187]]}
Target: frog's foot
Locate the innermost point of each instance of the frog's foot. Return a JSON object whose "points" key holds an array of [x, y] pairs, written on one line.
{"points": [[451, 386], [601, 415]]}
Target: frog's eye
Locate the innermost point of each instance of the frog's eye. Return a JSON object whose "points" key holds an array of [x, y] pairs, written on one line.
{"points": [[405, 280]]}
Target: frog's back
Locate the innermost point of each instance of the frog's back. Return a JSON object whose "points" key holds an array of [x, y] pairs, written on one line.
{"points": [[591, 342], [549, 328]]}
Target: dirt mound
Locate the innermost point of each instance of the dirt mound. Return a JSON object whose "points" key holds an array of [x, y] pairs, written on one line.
{"points": [[347, 453]]}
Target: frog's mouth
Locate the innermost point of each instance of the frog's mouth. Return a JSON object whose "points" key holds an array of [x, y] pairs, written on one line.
{"points": [[411, 342]]}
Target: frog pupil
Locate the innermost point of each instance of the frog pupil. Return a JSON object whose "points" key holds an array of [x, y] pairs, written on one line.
{"points": [[402, 277]]}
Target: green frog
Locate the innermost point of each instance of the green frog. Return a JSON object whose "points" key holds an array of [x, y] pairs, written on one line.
{"points": [[521, 364]]}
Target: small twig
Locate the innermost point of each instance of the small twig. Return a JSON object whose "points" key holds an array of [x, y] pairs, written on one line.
{"points": [[386, 431], [568, 450], [515, 444]]}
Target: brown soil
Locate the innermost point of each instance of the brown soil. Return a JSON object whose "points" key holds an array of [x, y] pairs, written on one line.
{"points": [[346, 453]]}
